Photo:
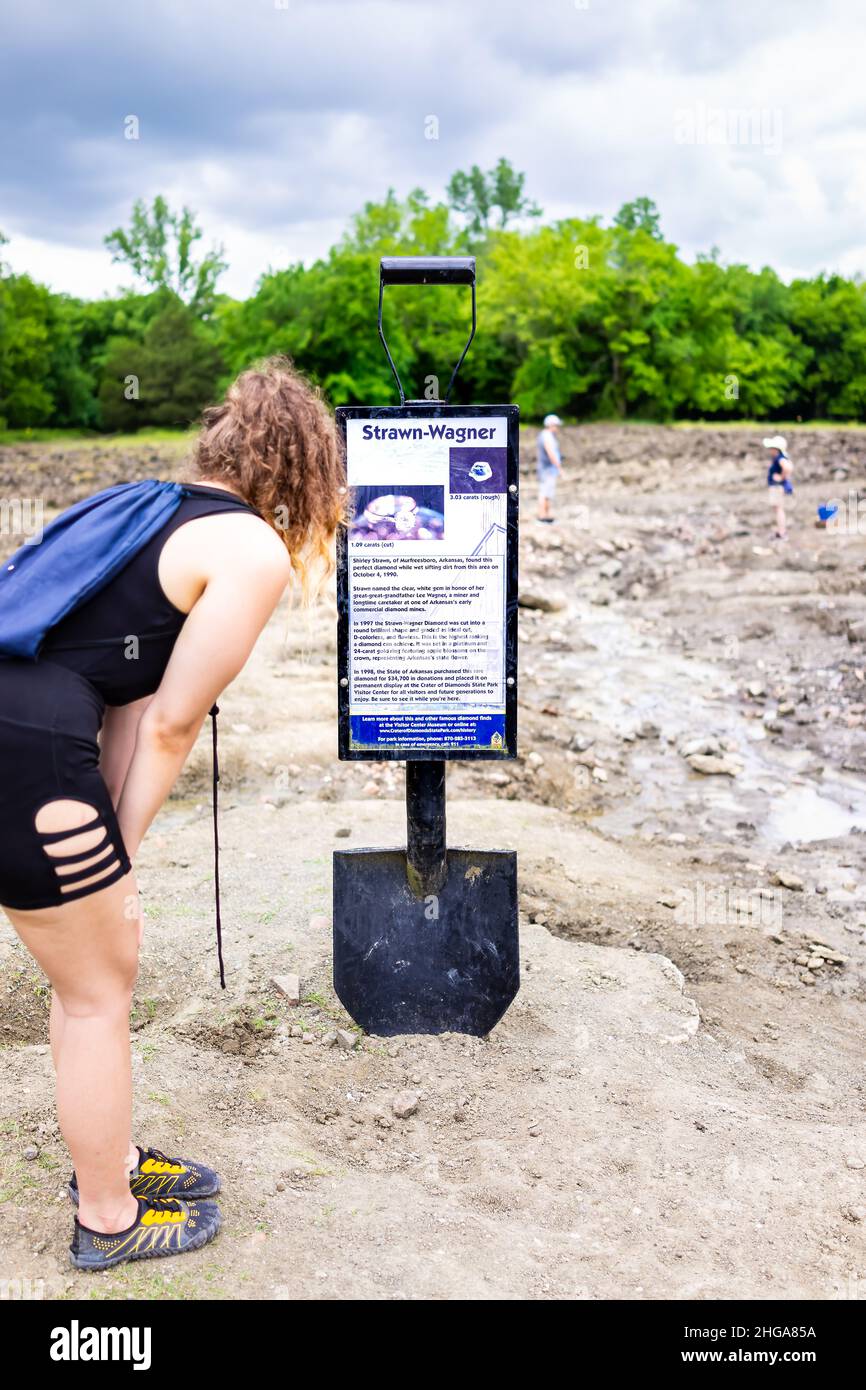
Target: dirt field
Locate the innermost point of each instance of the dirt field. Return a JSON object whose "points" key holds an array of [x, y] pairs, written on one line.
{"points": [[673, 1107]]}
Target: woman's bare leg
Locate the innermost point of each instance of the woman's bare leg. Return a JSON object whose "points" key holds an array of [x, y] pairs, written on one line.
{"points": [[56, 1020], [88, 948]]}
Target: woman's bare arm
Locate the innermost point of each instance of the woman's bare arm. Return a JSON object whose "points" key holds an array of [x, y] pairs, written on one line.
{"points": [[117, 741], [213, 646]]}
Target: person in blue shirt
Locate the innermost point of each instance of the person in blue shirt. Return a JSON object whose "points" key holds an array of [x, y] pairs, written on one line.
{"points": [[549, 468], [779, 484]]}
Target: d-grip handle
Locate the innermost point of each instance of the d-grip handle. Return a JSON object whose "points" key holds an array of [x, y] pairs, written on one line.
{"points": [[427, 270]]}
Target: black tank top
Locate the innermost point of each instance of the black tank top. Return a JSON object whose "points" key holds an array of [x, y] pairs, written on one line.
{"points": [[121, 639]]}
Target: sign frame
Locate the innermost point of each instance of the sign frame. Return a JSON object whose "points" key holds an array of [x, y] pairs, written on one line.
{"points": [[434, 410]]}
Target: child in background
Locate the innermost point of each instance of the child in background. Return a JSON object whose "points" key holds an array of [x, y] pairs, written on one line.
{"points": [[779, 485]]}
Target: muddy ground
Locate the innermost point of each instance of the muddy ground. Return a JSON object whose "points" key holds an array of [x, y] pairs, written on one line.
{"points": [[673, 1107]]}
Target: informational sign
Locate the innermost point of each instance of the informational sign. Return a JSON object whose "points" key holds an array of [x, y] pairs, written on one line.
{"points": [[427, 582]]}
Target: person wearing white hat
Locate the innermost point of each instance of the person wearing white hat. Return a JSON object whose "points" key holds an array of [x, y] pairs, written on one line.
{"points": [[779, 485], [549, 468]]}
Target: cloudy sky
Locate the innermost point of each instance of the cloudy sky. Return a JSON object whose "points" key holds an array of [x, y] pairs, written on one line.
{"points": [[276, 119]]}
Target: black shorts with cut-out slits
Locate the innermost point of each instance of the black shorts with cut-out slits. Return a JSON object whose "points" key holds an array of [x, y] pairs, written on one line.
{"points": [[50, 719]]}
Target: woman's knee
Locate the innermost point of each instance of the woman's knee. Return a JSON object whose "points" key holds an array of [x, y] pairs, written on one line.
{"points": [[108, 997], [103, 983], [88, 949]]}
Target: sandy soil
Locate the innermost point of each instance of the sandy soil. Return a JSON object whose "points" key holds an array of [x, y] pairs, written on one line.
{"points": [[673, 1107]]}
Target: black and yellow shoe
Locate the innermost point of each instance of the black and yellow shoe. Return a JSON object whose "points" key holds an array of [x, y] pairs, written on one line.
{"points": [[163, 1226], [155, 1175]]}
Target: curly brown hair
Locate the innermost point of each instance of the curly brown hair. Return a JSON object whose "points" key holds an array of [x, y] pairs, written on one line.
{"points": [[273, 440]]}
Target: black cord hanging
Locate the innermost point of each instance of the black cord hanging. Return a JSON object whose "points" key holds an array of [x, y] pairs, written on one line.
{"points": [[216, 845]]}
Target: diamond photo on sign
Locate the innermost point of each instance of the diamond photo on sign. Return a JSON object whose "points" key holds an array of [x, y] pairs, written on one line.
{"points": [[477, 468], [379, 515]]}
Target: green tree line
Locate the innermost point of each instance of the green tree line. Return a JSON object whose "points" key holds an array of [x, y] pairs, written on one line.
{"points": [[590, 320]]}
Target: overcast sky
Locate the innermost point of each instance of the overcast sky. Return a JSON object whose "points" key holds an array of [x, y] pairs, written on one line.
{"points": [[276, 119]]}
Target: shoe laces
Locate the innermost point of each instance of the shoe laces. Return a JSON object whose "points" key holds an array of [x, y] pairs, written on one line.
{"points": [[163, 1203], [158, 1155]]}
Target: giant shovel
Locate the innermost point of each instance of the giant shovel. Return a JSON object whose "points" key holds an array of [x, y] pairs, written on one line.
{"points": [[425, 938]]}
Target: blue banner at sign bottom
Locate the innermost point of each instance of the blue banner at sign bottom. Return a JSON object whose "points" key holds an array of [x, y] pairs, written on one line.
{"points": [[434, 731]]}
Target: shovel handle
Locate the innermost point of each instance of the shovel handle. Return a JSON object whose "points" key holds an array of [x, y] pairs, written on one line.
{"points": [[426, 866], [427, 270]]}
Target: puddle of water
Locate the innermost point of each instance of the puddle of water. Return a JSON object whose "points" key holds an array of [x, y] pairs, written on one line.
{"points": [[626, 678], [802, 815]]}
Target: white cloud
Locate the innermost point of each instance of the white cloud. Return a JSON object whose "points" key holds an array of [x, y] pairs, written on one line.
{"points": [[277, 125], [66, 269]]}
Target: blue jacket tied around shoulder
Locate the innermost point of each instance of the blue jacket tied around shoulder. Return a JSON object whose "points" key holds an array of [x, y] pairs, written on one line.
{"points": [[79, 553]]}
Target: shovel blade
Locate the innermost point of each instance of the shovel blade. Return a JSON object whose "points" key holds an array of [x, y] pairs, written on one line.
{"points": [[444, 963]]}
